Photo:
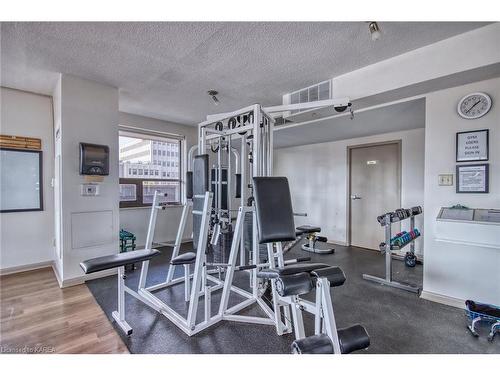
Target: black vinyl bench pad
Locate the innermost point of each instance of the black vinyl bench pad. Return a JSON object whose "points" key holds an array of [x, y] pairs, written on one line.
{"points": [[335, 275], [350, 339], [186, 258], [117, 260], [307, 229], [297, 279], [290, 270]]}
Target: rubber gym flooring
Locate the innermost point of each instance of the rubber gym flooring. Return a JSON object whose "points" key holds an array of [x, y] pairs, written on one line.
{"points": [[397, 321]]}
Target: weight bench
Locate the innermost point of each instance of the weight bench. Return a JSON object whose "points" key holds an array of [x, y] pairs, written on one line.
{"points": [[289, 282], [119, 261], [312, 237], [302, 278]]}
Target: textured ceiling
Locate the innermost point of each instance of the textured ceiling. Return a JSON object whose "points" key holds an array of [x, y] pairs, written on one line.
{"points": [[163, 70], [402, 116]]}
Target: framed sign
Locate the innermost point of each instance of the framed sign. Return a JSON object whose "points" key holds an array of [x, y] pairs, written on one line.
{"points": [[472, 145], [20, 180], [473, 178]]}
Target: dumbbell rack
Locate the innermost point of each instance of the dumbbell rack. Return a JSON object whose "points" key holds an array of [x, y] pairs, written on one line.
{"points": [[388, 255]]}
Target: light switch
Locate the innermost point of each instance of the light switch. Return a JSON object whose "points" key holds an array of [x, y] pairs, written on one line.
{"points": [[446, 180]]}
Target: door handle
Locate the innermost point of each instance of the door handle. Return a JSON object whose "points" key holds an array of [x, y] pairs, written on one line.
{"points": [[354, 197]]}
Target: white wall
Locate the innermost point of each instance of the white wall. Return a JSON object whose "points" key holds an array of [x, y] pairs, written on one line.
{"points": [[318, 179], [88, 113], [136, 220], [27, 237], [459, 270]]}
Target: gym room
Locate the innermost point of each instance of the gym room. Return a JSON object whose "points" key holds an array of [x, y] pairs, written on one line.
{"points": [[182, 180]]}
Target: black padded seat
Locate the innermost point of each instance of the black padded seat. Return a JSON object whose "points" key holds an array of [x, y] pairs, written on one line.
{"points": [[353, 338], [290, 270], [334, 275], [350, 339], [295, 284], [317, 344], [117, 260], [187, 258], [308, 229]]}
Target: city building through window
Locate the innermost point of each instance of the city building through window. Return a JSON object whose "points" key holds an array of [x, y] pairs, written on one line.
{"points": [[149, 163]]}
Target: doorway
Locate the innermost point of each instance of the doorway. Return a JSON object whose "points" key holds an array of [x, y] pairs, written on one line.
{"points": [[374, 189]]}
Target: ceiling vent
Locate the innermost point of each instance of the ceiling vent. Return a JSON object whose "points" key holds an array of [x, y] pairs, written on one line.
{"points": [[320, 91]]}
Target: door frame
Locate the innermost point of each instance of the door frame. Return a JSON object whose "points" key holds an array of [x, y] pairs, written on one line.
{"points": [[349, 149]]}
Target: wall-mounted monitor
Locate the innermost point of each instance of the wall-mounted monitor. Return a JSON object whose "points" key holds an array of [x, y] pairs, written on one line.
{"points": [[94, 159], [21, 180]]}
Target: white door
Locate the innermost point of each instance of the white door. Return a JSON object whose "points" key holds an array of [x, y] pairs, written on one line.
{"points": [[374, 190]]}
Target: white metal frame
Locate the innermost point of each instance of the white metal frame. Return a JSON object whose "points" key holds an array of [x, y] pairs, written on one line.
{"points": [[388, 280], [262, 150], [188, 325]]}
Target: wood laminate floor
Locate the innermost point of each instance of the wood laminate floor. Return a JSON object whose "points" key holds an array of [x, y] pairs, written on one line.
{"points": [[38, 316]]}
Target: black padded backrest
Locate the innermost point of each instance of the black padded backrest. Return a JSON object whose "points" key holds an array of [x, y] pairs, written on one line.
{"points": [[189, 185], [200, 187], [200, 174], [273, 205]]}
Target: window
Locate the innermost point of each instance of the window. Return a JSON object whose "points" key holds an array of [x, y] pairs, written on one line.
{"points": [[128, 192], [143, 168]]}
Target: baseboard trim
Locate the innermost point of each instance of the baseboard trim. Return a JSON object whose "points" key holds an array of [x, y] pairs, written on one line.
{"points": [[56, 272], [81, 279], [341, 243], [25, 268], [62, 283], [445, 300]]}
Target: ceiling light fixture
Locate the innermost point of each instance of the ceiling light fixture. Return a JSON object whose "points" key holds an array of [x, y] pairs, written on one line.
{"points": [[374, 30], [213, 94]]}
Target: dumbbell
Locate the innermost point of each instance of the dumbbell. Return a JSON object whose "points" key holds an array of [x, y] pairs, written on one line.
{"points": [[416, 210], [381, 218], [399, 214]]}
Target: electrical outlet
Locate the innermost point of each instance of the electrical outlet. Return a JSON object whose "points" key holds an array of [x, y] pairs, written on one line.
{"points": [[445, 180]]}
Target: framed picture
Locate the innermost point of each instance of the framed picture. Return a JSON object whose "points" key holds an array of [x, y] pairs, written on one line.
{"points": [[472, 145], [473, 178], [21, 180]]}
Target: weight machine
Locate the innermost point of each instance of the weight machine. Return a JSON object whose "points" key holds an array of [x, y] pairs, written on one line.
{"points": [[210, 200]]}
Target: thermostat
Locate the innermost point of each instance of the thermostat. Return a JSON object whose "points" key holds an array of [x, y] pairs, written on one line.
{"points": [[89, 190]]}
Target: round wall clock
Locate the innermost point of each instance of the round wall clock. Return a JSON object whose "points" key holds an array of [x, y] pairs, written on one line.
{"points": [[474, 105]]}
